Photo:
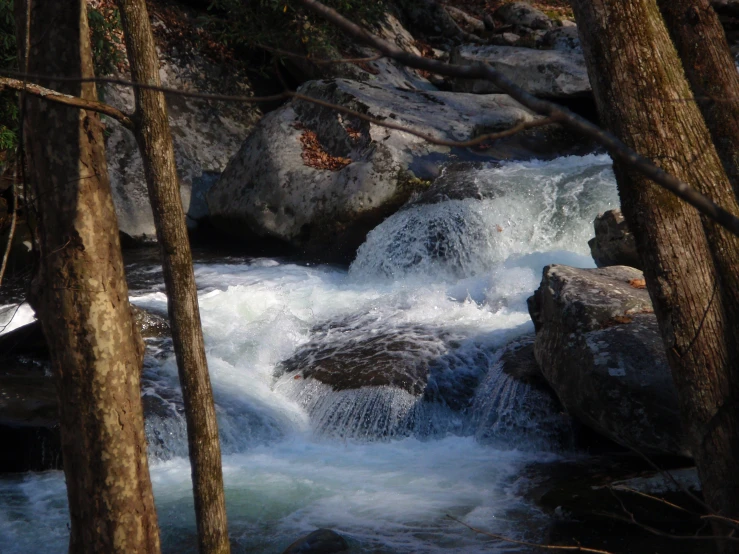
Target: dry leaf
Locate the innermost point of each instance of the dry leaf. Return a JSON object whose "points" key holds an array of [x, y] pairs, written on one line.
{"points": [[638, 283]]}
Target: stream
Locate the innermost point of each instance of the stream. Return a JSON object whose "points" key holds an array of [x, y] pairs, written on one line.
{"points": [[448, 280]]}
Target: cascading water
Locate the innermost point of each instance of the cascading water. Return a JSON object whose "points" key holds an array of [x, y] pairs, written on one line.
{"points": [[434, 294]]}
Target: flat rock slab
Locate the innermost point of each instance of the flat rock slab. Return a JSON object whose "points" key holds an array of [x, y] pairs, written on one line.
{"points": [[546, 73]]}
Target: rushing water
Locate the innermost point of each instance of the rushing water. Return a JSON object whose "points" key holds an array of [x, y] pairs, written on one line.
{"points": [[383, 466]]}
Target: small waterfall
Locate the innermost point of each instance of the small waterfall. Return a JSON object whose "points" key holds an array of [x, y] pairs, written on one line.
{"points": [[518, 208], [519, 411]]}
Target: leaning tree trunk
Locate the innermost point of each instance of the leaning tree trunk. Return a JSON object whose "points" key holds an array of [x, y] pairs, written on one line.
{"points": [[81, 297], [691, 266], [709, 65], [155, 144]]}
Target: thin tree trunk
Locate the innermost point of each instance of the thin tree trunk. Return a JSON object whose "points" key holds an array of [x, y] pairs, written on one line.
{"points": [[690, 265], [155, 143], [81, 297], [709, 65]]}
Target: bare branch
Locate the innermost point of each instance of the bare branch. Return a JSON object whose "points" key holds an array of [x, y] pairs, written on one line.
{"points": [[617, 149], [622, 488], [531, 544], [58, 97], [522, 126]]}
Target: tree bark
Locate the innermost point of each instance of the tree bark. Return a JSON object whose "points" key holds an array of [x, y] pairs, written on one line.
{"points": [[709, 66], [81, 297], [691, 266], [155, 143]]}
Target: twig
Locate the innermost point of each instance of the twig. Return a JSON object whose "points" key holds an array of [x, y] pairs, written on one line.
{"points": [[531, 544], [617, 149], [621, 488]]}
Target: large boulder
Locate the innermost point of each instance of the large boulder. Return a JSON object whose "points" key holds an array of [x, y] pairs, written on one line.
{"points": [[557, 74], [598, 346], [319, 180], [613, 243], [205, 136]]}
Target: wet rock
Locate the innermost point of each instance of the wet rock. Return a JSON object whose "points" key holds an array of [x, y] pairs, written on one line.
{"points": [[29, 339], [29, 428], [29, 421], [522, 14], [205, 136], [545, 73], [320, 181], [598, 346], [515, 407], [151, 325], [418, 360], [321, 541], [613, 243], [363, 378]]}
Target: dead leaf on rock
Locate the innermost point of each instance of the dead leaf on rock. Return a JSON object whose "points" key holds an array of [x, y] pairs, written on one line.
{"points": [[638, 283], [315, 156]]}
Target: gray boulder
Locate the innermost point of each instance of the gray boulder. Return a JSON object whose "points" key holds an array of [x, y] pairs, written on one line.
{"points": [[613, 243], [544, 73], [319, 180], [598, 346], [205, 136], [521, 14]]}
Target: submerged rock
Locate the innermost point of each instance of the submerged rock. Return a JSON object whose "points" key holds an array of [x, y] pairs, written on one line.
{"points": [[320, 180], [356, 378], [599, 347], [514, 407], [320, 541], [545, 73], [613, 243]]}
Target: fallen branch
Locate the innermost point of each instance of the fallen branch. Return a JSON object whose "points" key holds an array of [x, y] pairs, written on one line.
{"points": [[66, 99]]}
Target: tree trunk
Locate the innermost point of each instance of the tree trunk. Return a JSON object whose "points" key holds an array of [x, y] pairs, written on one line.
{"points": [[709, 65], [81, 297], [690, 265], [155, 143]]}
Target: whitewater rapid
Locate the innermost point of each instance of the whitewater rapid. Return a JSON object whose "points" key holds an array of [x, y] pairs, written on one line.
{"points": [[455, 272]]}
